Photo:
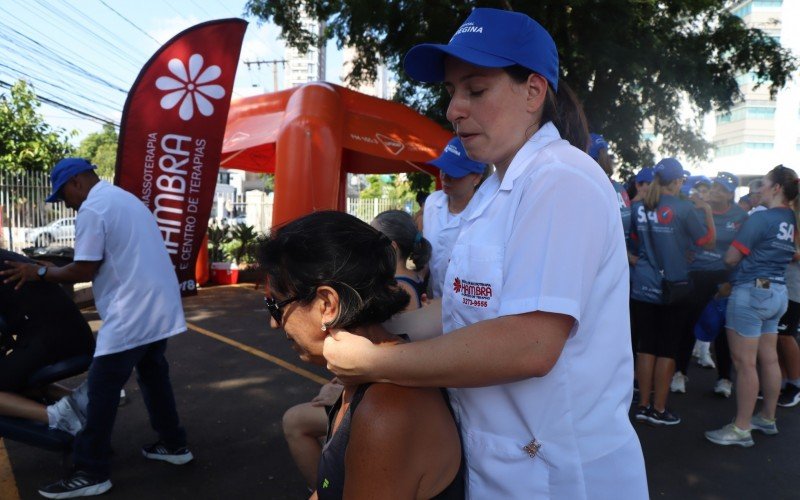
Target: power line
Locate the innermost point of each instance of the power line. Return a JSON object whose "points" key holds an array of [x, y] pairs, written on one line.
{"points": [[130, 22], [67, 108]]}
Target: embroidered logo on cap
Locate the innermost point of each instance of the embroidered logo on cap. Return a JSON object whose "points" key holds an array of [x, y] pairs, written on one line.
{"points": [[452, 150]]}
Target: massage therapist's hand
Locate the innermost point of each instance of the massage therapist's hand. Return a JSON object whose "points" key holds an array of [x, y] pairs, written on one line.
{"points": [[350, 357]]}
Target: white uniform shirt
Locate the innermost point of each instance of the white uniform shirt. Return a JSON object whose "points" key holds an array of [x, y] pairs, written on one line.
{"points": [[136, 289], [440, 228], [548, 238]]}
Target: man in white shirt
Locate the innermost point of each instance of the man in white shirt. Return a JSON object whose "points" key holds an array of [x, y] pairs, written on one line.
{"points": [[119, 247]]}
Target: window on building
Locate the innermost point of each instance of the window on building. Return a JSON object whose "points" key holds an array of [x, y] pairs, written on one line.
{"points": [[747, 113], [741, 147]]}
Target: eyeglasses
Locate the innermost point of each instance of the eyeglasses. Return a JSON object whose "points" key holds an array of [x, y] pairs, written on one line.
{"points": [[275, 308]]}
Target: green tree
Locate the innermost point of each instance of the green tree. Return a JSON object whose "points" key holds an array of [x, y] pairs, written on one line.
{"points": [[27, 143], [101, 149], [629, 61]]}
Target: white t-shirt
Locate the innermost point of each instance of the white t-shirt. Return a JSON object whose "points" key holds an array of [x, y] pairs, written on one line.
{"points": [[440, 228], [136, 289], [548, 238]]}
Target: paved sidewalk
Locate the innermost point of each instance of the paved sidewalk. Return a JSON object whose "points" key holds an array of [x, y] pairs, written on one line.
{"points": [[231, 395]]}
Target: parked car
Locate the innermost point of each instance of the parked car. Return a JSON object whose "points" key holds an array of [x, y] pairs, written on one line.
{"points": [[61, 231]]}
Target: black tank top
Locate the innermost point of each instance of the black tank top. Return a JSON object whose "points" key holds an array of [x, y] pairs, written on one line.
{"points": [[330, 475]]}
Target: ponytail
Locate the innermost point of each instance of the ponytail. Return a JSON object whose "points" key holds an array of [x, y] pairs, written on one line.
{"points": [[653, 195], [566, 112], [399, 227], [562, 108], [787, 179]]}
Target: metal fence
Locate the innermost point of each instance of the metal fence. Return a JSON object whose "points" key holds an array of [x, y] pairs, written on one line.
{"points": [[367, 208], [25, 219]]}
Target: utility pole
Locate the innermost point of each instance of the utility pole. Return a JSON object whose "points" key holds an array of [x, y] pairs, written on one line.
{"points": [[274, 63]]}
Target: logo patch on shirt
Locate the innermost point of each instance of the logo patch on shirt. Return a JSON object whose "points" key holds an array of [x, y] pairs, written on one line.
{"points": [[473, 293], [665, 215]]}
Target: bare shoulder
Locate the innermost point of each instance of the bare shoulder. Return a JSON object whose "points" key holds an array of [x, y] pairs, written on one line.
{"points": [[392, 410]]}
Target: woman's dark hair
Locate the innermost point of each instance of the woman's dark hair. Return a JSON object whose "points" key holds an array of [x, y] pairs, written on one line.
{"points": [[421, 197], [562, 108], [399, 227], [786, 178], [338, 250], [605, 162]]}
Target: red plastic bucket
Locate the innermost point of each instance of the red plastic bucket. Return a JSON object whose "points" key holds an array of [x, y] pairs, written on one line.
{"points": [[224, 273]]}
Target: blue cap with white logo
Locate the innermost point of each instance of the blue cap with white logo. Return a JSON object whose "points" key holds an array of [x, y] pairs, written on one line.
{"points": [[597, 143], [669, 169], [727, 180], [489, 38], [65, 170], [454, 161], [645, 174]]}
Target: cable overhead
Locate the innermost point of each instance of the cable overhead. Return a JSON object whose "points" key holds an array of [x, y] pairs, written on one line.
{"points": [[67, 108], [130, 22]]}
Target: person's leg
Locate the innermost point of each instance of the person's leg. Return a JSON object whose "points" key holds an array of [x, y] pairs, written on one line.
{"points": [[664, 369], [153, 378], [770, 374], [645, 368], [14, 405], [724, 361], [744, 352], [304, 425], [107, 375]]}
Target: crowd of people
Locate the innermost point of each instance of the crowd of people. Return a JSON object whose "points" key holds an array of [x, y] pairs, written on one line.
{"points": [[481, 348]]}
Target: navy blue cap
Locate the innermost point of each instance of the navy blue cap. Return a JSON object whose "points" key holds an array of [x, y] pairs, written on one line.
{"points": [[65, 170], [597, 143], [454, 161], [489, 38], [645, 174], [727, 180], [669, 169]]}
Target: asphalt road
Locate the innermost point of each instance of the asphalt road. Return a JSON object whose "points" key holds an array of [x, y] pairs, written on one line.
{"points": [[231, 398]]}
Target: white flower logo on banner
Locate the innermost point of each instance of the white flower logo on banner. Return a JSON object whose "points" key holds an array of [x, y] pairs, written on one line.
{"points": [[191, 88]]}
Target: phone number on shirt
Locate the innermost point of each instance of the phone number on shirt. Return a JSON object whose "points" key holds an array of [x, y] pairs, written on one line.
{"points": [[474, 303]]}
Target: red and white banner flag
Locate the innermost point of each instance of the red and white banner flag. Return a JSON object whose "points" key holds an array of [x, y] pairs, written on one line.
{"points": [[171, 133]]}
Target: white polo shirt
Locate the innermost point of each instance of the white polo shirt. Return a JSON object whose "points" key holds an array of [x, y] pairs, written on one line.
{"points": [[136, 289], [548, 238], [440, 228]]}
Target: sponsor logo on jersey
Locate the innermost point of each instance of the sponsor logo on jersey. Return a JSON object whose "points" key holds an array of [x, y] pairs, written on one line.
{"points": [[665, 215], [473, 293]]}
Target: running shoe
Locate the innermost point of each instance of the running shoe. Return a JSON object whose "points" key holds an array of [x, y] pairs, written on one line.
{"points": [[79, 484], [790, 396], [642, 414], [66, 416], [706, 361], [160, 451], [761, 424], [678, 383], [723, 387], [731, 435], [665, 417]]}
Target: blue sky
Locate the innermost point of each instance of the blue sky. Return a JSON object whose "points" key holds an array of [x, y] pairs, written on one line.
{"points": [[87, 53]]}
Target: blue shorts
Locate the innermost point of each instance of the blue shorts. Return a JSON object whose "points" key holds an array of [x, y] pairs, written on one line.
{"points": [[754, 311]]}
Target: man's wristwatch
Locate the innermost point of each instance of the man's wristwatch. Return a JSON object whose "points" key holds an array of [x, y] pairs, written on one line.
{"points": [[41, 272]]}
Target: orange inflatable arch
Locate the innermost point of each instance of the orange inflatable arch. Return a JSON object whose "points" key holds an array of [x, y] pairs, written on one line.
{"points": [[312, 136]]}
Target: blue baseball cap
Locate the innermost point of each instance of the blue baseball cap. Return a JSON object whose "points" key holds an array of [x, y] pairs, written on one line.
{"points": [[669, 169], [727, 180], [454, 161], [489, 38], [65, 170], [597, 143], [645, 174]]}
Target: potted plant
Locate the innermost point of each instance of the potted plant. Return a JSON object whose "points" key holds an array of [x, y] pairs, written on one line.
{"points": [[223, 271]]}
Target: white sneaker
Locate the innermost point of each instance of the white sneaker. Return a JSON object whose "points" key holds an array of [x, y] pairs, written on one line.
{"points": [[723, 387], [65, 415], [678, 383], [697, 350], [706, 361], [731, 435]]}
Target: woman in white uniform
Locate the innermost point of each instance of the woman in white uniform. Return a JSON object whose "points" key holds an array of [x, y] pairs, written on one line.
{"points": [[536, 348], [444, 209]]}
